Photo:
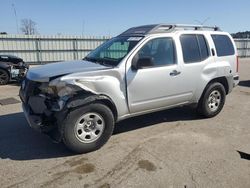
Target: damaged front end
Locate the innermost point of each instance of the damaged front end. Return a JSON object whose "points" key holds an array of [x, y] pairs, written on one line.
{"points": [[46, 104], [18, 71]]}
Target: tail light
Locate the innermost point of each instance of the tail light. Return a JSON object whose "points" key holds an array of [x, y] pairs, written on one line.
{"points": [[237, 64]]}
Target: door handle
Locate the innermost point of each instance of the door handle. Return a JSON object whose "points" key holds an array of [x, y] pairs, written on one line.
{"points": [[213, 52], [174, 73]]}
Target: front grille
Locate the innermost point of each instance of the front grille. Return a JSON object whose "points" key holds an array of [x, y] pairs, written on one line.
{"points": [[29, 88]]}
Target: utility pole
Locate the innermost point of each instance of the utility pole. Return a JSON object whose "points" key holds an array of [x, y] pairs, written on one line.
{"points": [[83, 27], [14, 9]]}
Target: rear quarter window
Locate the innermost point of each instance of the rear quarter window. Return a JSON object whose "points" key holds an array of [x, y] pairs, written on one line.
{"points": [[223, 45]]}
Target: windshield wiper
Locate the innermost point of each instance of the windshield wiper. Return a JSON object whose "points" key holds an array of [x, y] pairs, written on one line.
{"points": [[94, 60], [98, 61]]}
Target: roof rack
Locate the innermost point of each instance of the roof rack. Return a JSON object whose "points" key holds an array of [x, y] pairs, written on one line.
{"points": [[170, 27], [163, 28]]}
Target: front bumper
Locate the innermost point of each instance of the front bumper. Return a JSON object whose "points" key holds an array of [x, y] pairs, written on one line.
{"points": [[37, 114], [34, 121], [42, 114], [38, 123]]}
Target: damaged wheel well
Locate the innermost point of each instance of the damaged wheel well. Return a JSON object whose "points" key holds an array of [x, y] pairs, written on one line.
{"points": [[85, 100], [221, 80], [111, 105]]}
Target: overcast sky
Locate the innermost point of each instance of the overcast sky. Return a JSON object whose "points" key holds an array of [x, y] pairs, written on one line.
{"points": [[110, 17]]}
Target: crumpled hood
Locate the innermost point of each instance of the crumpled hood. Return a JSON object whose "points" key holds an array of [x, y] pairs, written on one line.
{"points": [[44, 72]]}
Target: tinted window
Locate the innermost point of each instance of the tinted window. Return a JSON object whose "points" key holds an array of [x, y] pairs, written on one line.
{"points": [[194, 48], [203, 47], [223, 45], [162, 51], [190, 48]]}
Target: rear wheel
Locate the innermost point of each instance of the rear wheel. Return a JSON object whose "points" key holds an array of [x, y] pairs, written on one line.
{"points": [[212, 100], [88, 128], [4, 77]]}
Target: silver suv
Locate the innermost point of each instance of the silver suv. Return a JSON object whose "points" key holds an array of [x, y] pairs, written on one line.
{"points": [[144, 69]]}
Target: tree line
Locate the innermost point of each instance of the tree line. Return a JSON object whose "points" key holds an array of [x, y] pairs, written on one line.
{"points": [[28, 27], [241, 35]]}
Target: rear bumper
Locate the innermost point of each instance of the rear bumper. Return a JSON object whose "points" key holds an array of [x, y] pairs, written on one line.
{"points": [[232, 81], [236, 80]]}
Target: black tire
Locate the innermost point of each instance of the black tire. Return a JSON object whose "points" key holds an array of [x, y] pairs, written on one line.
{"points": [[70, 135], [4, 77], [210, 108]]}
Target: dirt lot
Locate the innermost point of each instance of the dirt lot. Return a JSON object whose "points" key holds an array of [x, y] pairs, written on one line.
{"points": [[173, 148]]}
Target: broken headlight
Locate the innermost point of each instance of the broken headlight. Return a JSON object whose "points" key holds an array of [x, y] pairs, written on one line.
{"points": [[57, 92], [46, 89], [61, 88]]}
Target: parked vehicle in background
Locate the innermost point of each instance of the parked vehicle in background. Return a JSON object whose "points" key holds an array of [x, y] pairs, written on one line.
{"points": [[11, 68], [145, 69]]}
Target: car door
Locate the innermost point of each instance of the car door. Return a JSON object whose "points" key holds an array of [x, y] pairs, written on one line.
{"points": [[196, 60], [158, 85]]}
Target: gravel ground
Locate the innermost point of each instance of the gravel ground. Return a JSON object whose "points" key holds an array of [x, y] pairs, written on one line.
{"points": [[172, 148]]}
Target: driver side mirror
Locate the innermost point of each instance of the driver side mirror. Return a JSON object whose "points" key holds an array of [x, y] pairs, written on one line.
{"points": [[141, 62]]}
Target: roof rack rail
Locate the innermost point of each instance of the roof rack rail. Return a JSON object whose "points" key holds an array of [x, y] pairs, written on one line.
{"points": [[163, 28], [171, 27]]}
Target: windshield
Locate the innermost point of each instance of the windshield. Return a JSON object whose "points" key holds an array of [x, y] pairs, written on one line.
{"points": [[113, 51]]}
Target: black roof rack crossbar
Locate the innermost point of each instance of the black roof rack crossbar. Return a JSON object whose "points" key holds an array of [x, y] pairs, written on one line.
{"points": [[163, 28]]}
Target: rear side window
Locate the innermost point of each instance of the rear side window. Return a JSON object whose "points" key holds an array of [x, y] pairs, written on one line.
{"points": [[194, 48], [203, 47], [223, 45]]}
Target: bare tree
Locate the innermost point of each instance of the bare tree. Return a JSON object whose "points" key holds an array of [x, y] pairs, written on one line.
{"points": [[28, 27]]}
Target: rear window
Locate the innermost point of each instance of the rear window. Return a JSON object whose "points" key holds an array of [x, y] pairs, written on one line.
{"points": [[223, 45], [194, 48]]}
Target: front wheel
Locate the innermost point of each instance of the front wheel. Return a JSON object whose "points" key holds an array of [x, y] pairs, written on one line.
{"points": [[212, 100], [4, 77], [88, 128]]}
